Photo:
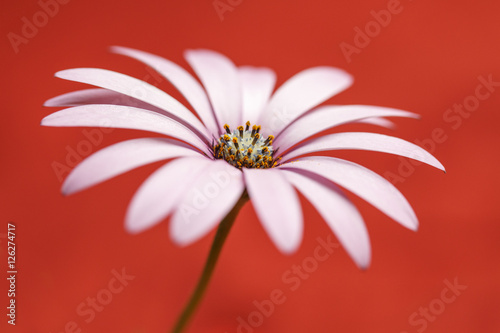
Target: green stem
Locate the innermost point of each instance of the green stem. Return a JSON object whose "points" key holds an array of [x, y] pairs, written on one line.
{"points": [[220, 237]]}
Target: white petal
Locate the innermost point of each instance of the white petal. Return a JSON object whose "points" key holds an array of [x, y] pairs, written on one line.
{"points": [[329, 116], [135, 88], [160, 193], [99, 96], [277, 206], [122, 157], [364, 141], [338, 211], [378, 121], [220, 79], [257, 85], [363, 182], [118, 116], [207, 201], [187, 85], [300, 94]]}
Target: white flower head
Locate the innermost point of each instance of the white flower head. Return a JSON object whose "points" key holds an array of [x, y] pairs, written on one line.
{"points": [[242, 135]]}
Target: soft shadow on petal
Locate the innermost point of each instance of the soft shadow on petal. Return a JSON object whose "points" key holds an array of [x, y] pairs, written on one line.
{"points": [[137, 89], [257, 84], [187, 85], [337, 210], [277, 206], [363, 182], [220, 78], [300, 94], [329, 116], [121, 157], [160, 193], [118, 116], [208, 200], [364, 141]]}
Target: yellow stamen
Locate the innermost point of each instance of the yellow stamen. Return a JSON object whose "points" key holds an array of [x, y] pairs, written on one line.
{"points": [[257, 136], [254, 130], [235, 142], [269, 140]]}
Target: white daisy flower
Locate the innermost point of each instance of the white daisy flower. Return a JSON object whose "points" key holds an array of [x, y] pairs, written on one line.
{"points": [[247, 138]]}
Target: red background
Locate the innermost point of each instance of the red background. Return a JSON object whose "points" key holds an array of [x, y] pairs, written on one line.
{"points": [[427, 59]]}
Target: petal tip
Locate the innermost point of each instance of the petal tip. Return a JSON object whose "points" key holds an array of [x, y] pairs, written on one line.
{"points": [[189, 52], [177, 239], [117, 49], [131, 230], [130, 226], [364, 266], [414, 227], [59, 73], [62, 74], [49, 102], [69, 186], [114, 48], [288, 251], [43, 122], [290, 248]]}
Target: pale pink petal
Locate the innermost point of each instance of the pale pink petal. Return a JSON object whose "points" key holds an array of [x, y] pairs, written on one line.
{"points": [[135, 88], [118, 116], [187, 85], [277, 206], [158, 196], [338, 211], [363, 182], [300, 94], [378, 121], [329, 116], [364, 141], [207, 201], [122, 157], [257, 85], [220, 78], [99, 96]]}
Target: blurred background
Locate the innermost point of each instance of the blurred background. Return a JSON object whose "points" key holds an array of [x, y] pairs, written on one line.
{"points": [[79, 271]]}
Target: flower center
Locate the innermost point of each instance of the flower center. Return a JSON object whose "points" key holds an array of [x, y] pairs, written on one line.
{"points": [[246, 148]]}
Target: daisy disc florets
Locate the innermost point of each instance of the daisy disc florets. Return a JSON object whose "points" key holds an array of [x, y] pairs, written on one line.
{"points": [[245, 147]]}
